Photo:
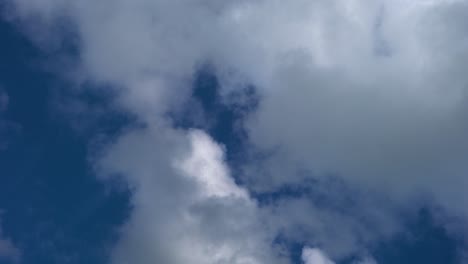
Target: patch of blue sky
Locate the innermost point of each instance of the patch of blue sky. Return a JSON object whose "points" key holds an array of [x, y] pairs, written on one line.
{"points": [[55, 210]]}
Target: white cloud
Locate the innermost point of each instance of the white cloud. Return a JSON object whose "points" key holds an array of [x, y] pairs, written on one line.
{"points": [[396, 123], [186, 209], [390, 122], [315, 256], [205, 163]]}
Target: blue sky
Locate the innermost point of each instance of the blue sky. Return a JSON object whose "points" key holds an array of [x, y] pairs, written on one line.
{"points": [[128, 142]]}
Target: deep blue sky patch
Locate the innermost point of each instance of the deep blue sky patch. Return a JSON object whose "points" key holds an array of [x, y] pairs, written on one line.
{"points": [[55, 210]]}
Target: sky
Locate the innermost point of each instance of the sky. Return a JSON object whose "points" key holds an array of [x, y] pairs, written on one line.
{"points": [[233, 132]]}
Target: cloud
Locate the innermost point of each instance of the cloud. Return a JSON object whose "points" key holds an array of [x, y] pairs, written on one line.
{"points": [[366, 261], [8, 251], [340, 232], [372, 92], [186, 208], [205, 163], [7, 128], [315, 256], [395, 123], [3, 100]]}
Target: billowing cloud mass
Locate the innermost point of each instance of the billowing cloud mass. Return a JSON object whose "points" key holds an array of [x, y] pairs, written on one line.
{"points": [[187, 209], [372, 92]]}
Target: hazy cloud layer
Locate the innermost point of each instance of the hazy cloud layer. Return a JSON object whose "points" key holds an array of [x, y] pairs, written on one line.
{"points": [[8, 251], [3, 100], [372, 92], [7, 128]]}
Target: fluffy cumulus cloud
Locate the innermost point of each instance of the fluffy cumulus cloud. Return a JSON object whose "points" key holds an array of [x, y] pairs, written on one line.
{"points": [[393, 120], [370, 91], [315, 256], [187, 209]]}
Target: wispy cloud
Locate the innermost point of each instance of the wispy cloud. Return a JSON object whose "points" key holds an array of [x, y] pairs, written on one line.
{"points": [[8, 250]]}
